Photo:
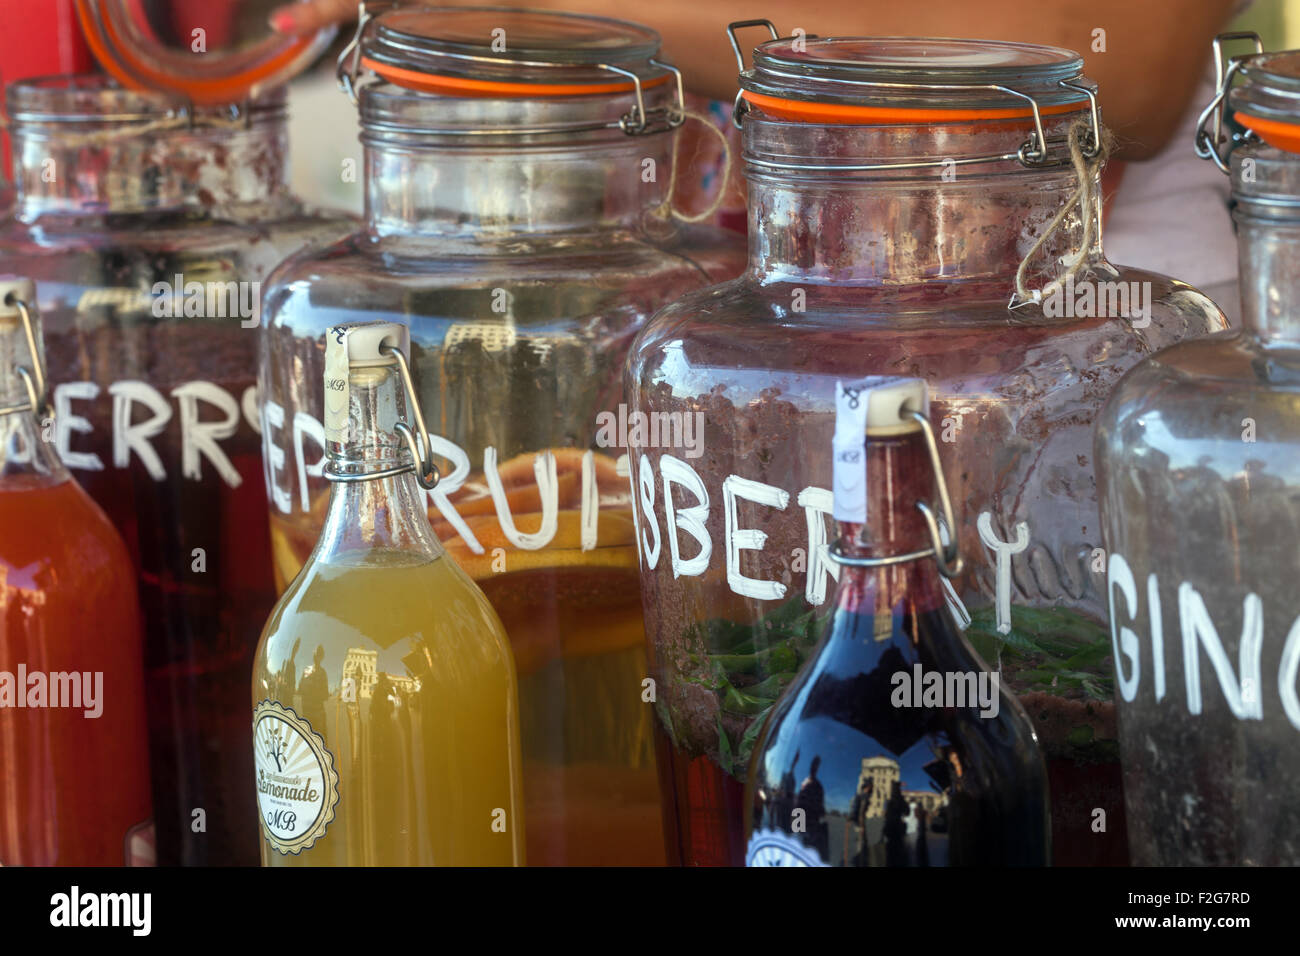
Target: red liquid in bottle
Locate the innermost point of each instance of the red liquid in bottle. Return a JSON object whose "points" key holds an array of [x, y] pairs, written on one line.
{"points": [[72, 785]]}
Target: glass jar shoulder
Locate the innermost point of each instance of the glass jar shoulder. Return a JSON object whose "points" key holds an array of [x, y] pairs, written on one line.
{"points": [[81, 263], [1224, 398], [798, 331], [538, 280], [287, 223]]}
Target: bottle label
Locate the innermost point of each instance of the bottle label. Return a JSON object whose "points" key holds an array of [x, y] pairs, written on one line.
{"points": [[876, 402], [775, 848], [850, 453], [336, 384], [297, 785]]}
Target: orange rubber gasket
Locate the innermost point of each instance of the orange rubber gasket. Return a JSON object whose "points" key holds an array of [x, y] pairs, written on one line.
{"points": [[1285, 136], [463, 86], [846, 113], [114, 57]]}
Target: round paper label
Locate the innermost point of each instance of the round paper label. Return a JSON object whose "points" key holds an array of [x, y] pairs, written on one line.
{"points": [[774, 848], [297, 785]]}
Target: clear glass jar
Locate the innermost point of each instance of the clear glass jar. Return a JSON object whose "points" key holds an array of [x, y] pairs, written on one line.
{"points": [[887, 225], [524, 235], [1198, 465], [149, 230]]}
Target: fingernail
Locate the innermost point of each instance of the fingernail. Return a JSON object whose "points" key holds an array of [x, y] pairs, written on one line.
{"points": [[283, 21]]}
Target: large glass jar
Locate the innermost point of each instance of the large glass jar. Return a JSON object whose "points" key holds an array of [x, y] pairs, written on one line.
{"points": [[523, 233], [149, 230], [895, 187], [1198, 461]]}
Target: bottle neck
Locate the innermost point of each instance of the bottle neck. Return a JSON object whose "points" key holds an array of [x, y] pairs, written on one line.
{"points": [[957, 221], [24, 450], [377, 512], [899, 476]]}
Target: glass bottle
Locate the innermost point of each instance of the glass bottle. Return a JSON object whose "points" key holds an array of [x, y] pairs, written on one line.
{"points": [[399, 742], [523, 235], [906, 749], [1198, 467], [149, 230], [73, 744], [895, 189]]}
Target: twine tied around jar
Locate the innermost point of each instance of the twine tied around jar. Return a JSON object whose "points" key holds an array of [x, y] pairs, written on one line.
{"points": [[1084, 199], [712, 208]]}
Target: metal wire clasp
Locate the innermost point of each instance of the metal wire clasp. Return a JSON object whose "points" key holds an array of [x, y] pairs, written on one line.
{"points": [[426, 472], [345, 72], [947, 556], [1208, 143], [33, 379]]}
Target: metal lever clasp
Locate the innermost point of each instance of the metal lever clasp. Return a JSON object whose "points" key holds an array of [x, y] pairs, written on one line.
{"points": [[34, 379], [738, 107], [1207, 143], [947, 557], [426, 472], [346, 73]]}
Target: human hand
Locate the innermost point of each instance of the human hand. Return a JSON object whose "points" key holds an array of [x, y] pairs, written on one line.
{"points": [[293, 19]]}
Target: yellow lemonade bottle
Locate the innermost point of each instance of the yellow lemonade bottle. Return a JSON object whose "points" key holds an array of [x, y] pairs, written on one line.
{"points": [[385, 712]]}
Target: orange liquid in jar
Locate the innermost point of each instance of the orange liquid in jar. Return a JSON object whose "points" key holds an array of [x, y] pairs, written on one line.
{"points": [[71, 785]]}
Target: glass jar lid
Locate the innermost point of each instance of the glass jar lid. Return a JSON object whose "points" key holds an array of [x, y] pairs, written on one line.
{"points": [[506, 55], [908, 79], [507, 52], [207, 54], [1268, 102]]}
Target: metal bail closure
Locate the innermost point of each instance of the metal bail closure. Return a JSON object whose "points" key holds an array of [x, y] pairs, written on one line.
{"points": [[1034, 152], [346, 73], [947, 556], [426, 472], [1213, 145], [16, 298], [369, 344]]}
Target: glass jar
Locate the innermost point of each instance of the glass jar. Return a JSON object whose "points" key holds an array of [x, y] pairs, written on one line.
{"points": [[895, 188], [149, 229], [523, 234], [1198, 465]]}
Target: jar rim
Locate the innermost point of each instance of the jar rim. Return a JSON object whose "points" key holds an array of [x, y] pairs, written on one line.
{"points": [[916, 73], [133, 46], [509, 52], [96, 98]]}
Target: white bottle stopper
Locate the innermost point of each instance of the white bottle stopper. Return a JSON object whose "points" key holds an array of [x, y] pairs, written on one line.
{"points": [[358, 345], [878, 405]]}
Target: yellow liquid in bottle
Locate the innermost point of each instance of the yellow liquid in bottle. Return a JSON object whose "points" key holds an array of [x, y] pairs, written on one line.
{"points": [[401, 666]]}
